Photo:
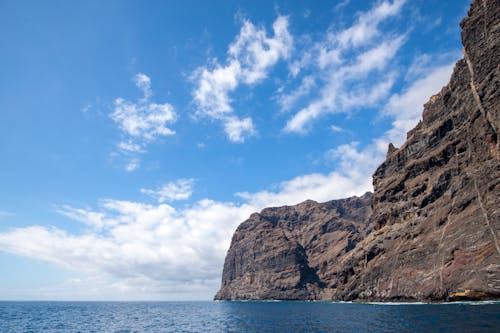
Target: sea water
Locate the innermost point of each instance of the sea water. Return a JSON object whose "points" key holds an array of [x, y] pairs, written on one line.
{"points": [[246, 317]]}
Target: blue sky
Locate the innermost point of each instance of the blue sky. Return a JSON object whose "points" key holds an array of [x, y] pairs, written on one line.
{"points": [[135, 136]]}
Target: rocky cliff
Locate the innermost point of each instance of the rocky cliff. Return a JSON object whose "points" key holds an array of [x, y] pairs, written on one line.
{"points": [[432, 232], [293, 252]]}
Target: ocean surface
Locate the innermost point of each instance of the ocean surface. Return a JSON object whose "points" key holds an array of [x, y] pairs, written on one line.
{"points": [[246, 317]]}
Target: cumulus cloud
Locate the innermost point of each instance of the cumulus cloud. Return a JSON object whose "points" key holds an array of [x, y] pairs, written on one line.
{"points": [[178, 190], [139, 244], [249, 58], [141, 121], [236, 128], [350, 68]]}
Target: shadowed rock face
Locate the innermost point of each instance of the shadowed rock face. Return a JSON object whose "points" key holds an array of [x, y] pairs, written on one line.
{"points": [[433, 232]]}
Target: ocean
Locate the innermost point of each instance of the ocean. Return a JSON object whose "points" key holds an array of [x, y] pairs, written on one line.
{"points": [[247, 317]]}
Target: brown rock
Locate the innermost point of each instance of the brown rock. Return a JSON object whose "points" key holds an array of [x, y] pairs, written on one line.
{"points": [[291, 252]]}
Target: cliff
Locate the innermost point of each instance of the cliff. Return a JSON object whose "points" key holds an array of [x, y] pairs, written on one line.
{"points": [[432, 232], [293, 252]]}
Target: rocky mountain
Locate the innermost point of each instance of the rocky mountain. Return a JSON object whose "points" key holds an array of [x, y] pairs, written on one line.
{"points": [[431, 229]]}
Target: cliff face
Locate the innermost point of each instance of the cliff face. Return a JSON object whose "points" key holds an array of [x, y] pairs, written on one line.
{"points": [[292, 252], [435, 208], [436, 201]]}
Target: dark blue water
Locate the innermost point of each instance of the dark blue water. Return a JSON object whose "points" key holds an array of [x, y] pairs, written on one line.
{"points": [[245, 317]]}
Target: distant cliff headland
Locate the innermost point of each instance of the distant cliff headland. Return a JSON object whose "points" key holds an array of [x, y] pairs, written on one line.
{"points": [[429, 232]]}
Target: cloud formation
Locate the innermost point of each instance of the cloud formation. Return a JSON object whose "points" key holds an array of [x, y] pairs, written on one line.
{"points": [[249, 58], [350, 68], [178, 190], [170, 250], [141, 121]]}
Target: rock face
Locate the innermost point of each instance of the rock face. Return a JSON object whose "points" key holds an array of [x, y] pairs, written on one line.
{"points": [[292, 252], [433, 229]]}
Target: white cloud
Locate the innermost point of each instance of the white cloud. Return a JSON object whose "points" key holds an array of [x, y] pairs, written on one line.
{"points": [[363, 95], [167, 250], [237, 129], [250, 57], [288, 101], [146, 251], [336, 129], [257, 53], [375, 58], [341, 94], [141, 121], [328, 57], [358, 164], [132, 165], [178, 190], [365, 29], [95, 219], [130, 146], [143, 82], [351, 68], [302, 118], [213, 88], [295, 66], [320, 187]]}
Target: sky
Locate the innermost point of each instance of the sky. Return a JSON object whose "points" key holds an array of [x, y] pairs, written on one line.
{"points": [[136, 135]]}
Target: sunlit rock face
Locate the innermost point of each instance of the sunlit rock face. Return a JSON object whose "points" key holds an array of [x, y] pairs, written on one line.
{"points": [[430, 231]]}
